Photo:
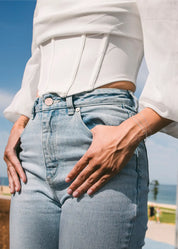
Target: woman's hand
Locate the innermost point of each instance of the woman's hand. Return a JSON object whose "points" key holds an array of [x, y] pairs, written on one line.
{"points": [[14, 168], [111, 149]]}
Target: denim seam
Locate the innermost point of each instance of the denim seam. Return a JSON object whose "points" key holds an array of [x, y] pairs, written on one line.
{"points": [[26, 127], [79, 117], [137, 188], [43, 144], [55, 198], [148, 182], [137, 194], [47, 182]]}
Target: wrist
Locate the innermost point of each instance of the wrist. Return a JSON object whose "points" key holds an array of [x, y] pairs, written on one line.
{"points": [[151, 121], [142, 123], [137, 130], [130, 131], [21, 122]]}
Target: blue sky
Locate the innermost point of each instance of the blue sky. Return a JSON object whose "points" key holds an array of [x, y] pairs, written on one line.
{"points": [[15, 49]]}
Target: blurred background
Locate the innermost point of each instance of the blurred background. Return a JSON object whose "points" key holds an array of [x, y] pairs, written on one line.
{"points": [[16, 19]]}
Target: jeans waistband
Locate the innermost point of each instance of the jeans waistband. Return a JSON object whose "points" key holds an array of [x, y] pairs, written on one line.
{"points": [[99, 96]]}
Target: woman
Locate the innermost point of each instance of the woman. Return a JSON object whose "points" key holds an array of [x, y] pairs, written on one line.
{"points": [[80, 180]]}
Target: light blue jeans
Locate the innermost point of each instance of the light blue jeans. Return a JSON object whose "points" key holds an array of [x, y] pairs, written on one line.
{"points": [[43, 215]]}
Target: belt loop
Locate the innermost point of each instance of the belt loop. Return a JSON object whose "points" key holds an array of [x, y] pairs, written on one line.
{"points": [[70, 106], [34, 108], [33, 112], [135, 100]]}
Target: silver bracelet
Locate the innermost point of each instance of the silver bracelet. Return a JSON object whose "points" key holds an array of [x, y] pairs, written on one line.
{"points": [[140, 124], [150, 131]]}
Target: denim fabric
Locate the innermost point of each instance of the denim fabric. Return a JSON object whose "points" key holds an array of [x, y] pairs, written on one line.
{"points": [[43, 215]]}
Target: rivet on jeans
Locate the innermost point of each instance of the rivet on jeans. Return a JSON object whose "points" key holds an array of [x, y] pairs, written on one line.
{"points": [[77, 109], [49, 101]]}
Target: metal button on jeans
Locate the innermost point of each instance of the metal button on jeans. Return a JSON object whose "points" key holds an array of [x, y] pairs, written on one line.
{"points": [[49, 101], [77, 109]]}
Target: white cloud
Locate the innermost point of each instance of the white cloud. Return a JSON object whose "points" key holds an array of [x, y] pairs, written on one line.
{"points": [[5, 99]]}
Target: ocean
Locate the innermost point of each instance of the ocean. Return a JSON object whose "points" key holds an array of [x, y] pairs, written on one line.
{"points": [[166, 193], [4, 181]]}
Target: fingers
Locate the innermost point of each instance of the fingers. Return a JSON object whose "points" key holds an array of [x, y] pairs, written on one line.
{"points": [[15, 178], [79, 166], [92, 184], [89, 176], [84, 180], [102, 181], [109, 153], [15, 162], [11, 183], [12, 161], [14, 170], [80, 189]]}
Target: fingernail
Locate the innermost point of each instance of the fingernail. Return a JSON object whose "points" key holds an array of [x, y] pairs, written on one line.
{"points": [[69, 191], [90, 191], [75, 194], [24, 179], [67, 179]]}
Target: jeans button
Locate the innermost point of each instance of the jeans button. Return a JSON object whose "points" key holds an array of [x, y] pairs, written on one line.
{"points": [[49, 101]]}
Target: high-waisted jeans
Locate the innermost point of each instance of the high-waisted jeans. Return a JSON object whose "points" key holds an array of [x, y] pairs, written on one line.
{"points": [[43, 215]]}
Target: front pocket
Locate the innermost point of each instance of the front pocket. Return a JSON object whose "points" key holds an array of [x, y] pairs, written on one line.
{"points": [[80, 119], [91, 116], [26, 128]]}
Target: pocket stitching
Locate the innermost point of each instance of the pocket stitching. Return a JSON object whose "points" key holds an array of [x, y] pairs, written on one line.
{"points": [[78, 114]]}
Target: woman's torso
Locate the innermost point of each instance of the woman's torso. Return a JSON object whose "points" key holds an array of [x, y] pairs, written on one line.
{"points": [[86, 45]]}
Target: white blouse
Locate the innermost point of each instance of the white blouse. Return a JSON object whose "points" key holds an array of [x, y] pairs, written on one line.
{"points": [[80, 45]]}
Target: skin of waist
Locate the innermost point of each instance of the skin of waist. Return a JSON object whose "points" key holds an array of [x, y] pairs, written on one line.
{"points": [[126, 85]]}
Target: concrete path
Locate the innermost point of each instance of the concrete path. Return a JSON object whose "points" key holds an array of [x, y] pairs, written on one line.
{"points": [[161, 232], [152, 244]]}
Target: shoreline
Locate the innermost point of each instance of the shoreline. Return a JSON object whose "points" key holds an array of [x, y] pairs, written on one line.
{"points": [[163, 205], [161, 232], [5, 194]]}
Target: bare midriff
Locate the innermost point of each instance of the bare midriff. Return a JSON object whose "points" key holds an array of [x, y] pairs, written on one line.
{"points": [[126, 85]]}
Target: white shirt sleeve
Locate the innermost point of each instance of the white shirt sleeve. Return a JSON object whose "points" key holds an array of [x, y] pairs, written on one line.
{"points": [[23, 101], [159, 21]]}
